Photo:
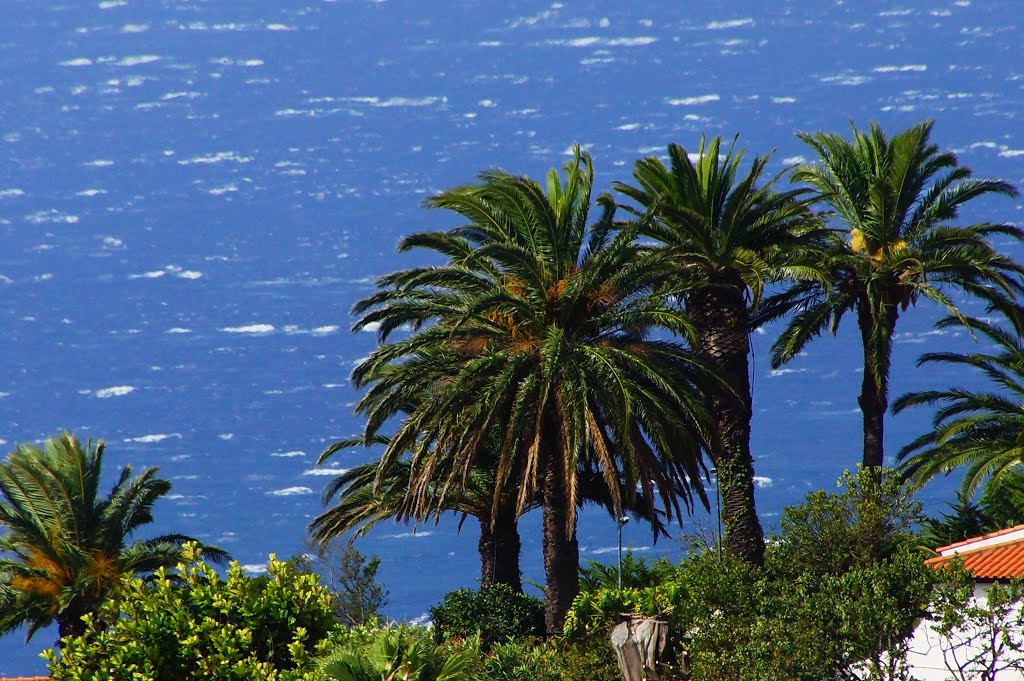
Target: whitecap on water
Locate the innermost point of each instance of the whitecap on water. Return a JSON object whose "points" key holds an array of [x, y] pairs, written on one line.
{"points": [[785, 372], [136, 60], [407, 535], [729, 23], [290, 491], [218, 157], [325, 471], [253, 329], [114, 391], [890, 68], [692, 101], [289, 455], [157, 437]]}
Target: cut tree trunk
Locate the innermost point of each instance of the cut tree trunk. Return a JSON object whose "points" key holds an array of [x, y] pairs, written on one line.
{"points": [[69, 621], [561, 550], [719, 313], [873, 399], [499, 552]]}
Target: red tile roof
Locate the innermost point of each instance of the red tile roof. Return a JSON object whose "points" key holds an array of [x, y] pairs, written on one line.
{"points": [[999, 555]]}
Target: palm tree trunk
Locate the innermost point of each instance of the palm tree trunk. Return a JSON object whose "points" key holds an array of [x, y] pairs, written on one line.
{"points": [[874, 398], [721, 318], [69, 621], [561, 550], [499, 552]]}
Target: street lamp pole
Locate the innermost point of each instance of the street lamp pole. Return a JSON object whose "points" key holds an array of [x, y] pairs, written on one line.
{"points": [[718, 509], [621, 522]]}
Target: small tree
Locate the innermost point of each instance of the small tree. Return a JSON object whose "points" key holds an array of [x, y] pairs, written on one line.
{"points": [[980, 638], [350, 578]]}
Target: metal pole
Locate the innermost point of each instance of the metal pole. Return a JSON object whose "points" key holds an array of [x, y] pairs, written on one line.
{"points": [[621, 521], [620, 553], [718, 509]]}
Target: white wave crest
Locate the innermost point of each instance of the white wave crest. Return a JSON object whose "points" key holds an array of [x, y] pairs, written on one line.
{"points": [[158, 437], [114, 391], [691, 101], [729, 23], [325, 471], [255, 329], [290, 491]]}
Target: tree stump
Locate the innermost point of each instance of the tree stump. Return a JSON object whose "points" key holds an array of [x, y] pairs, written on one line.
{"points": [[638, 644]]}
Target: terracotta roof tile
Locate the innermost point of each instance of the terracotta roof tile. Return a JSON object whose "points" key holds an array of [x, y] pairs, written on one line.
{"points": [[990, 535], [1001, 561]]}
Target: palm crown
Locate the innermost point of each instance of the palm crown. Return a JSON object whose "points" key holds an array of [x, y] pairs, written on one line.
{"points": [[980, 431], [536, 329], [727, 236], [897, 199], [64, 548]]}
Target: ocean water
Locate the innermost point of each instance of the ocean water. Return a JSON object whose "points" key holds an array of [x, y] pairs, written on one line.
{"points": [[195, 192]]}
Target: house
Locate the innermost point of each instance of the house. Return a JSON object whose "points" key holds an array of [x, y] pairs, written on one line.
{"points": [[990, 558]]}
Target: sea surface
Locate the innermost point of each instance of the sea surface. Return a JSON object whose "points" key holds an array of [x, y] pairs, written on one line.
{"points": [[194, 192]]}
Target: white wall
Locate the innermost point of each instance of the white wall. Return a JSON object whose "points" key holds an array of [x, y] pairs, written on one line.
{"points": [[929, 652]]}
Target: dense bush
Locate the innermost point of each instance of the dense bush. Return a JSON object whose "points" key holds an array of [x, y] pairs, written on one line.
{"points": [[841, 590], [193, 625], [498, 613]]}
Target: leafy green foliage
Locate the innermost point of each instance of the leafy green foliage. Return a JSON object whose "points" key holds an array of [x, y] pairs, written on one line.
{"points": [[400, 654], [538, 329], [981, 638], [496, 614], [519, 660], [840, 592], [977, 431], [897, 199], [64, 549], [190, 624], [1001, 505], [728, 235], [588, 659], [865, 521], [636, 573]]}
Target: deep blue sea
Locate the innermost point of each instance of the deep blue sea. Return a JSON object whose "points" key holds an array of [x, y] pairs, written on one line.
{"points": [[194, 192]]}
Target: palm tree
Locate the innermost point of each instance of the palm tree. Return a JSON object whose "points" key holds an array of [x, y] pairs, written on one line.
{"points": [[64, 550], [980, 431], [362, 502], [897, 199], [729, 236], [536, 329]]}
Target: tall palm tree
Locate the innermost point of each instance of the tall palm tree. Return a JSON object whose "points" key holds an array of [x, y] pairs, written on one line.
{"points": [[729, 236], [897, 199], [64, 549], [361, 502], [981, 431], [536, 328]]}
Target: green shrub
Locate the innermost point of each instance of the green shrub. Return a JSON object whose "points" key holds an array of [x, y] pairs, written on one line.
{"points": [[840, 592], [497, 614], [192, 625], [522, 660], [590, 658], [399, 652]]}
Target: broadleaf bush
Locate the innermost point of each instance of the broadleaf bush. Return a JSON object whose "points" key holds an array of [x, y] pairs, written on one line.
{"points": [[497, 614]]}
